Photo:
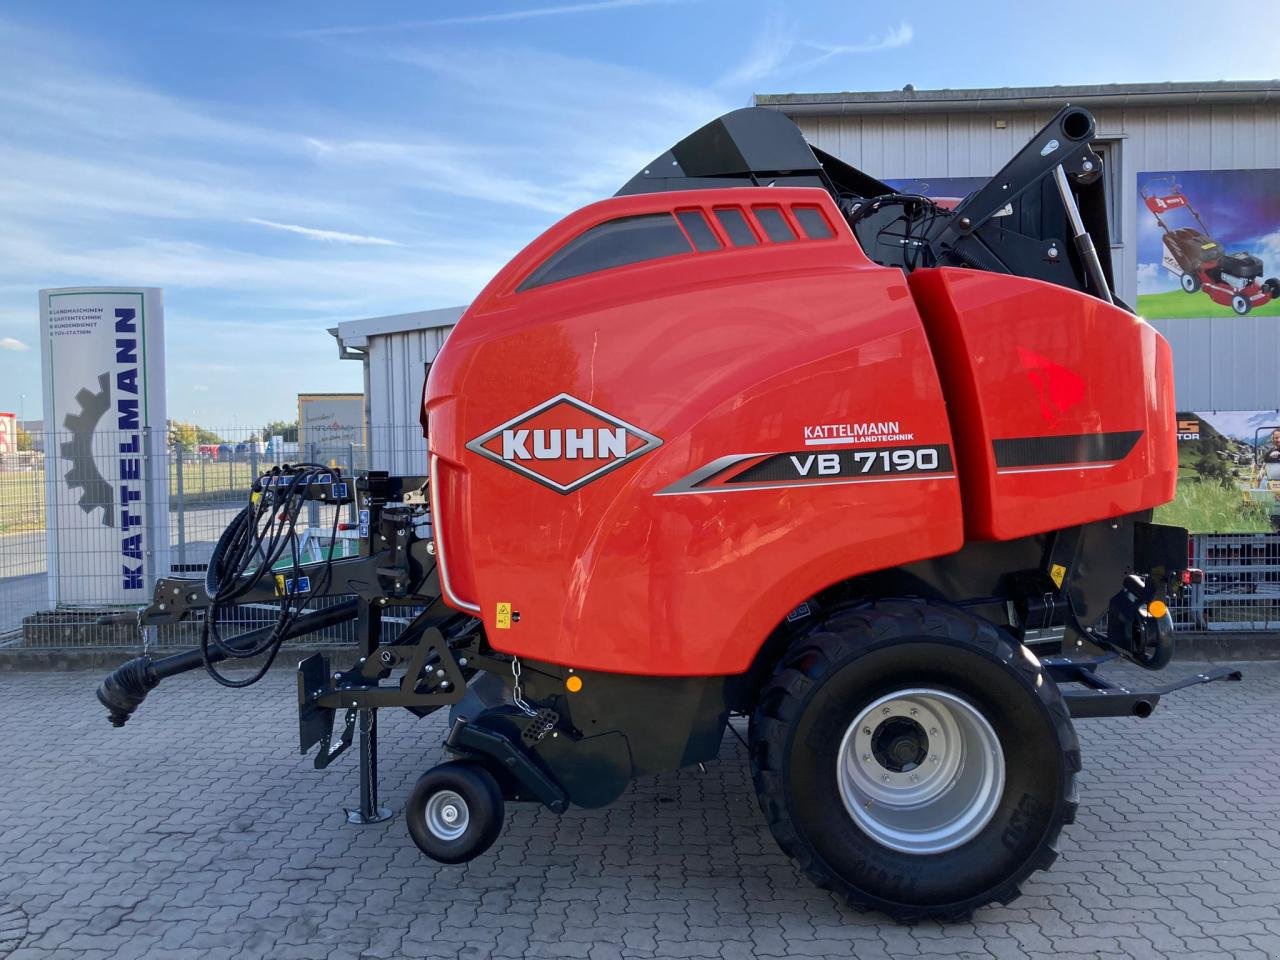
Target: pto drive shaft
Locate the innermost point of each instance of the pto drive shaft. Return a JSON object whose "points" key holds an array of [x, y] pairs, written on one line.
{"points": [[124, 689]]}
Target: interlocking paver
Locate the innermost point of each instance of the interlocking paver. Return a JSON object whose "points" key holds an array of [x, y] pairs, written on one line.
{"points": [[197, 832]]}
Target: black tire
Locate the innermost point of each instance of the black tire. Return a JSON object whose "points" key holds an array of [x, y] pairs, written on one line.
{"points": [[1241, 304], [852, 659], [1271, 287], [1190, 282], [447, 785]]}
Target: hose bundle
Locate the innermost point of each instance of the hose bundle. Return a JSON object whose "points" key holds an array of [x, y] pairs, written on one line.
{"points": [[249, 549]]}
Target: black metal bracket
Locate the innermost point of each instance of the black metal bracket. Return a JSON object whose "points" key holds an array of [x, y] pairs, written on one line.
{"points": [[1105, 698], [432, 676], [469, 738]]}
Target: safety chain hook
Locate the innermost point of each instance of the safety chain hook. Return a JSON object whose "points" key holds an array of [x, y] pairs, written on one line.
{"points": [[517, 692]]}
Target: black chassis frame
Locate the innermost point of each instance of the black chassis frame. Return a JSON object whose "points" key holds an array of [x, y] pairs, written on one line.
{"points": [[586, 747]]}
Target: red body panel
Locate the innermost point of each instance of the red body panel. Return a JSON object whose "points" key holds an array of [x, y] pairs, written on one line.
{"points": [[723, 354], [642, 470], [1024, 361]]}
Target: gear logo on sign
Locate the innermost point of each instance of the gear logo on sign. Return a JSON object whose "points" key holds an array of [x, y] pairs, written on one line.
{"points": [[564, 443], [95, 491]]}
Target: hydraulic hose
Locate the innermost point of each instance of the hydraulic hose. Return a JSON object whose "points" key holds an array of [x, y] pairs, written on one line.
{"points": [[124, 688]]}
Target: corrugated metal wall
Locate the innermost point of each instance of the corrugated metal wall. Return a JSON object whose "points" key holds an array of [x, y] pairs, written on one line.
{"points": [[397, 367], [1229, 363]]}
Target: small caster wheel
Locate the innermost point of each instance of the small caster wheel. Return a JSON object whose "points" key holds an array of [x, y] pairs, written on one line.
{"points": [[1190, 282], [1240, 304], [455, 812]]}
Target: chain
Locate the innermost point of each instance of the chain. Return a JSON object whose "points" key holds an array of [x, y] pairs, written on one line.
{"points": [[142, 632], [517, 692]]}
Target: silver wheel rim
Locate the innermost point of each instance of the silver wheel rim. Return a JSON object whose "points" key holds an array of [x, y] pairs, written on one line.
{"points": [[447, 815], [921, 771]]}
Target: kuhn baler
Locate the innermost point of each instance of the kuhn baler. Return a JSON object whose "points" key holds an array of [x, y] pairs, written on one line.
{"points": [[759, 436]]}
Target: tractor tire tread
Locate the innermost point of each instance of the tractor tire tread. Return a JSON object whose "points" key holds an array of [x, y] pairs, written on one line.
{"points": [[818, 653]]}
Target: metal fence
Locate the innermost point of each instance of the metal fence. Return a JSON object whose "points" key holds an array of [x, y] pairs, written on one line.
{"points": [[80, 482], [1241, 588], [208, 483]]}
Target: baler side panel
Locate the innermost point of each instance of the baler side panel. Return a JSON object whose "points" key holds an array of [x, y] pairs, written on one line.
{"points": [[680, 561], [1062, 405]]}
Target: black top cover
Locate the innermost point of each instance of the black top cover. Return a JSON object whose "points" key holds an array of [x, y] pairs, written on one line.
{"points": [[750, 147]]}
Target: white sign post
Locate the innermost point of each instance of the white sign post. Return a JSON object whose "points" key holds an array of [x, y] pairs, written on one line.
{"points": [[106, 461]]}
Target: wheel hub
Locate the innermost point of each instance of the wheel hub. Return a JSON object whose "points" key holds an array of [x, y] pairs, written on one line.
{"points": [[899, 744], [447, 815], [921, 771]]}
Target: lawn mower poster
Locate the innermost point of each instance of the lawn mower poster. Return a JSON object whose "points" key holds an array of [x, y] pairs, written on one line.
{"points": [[1208, 243]]}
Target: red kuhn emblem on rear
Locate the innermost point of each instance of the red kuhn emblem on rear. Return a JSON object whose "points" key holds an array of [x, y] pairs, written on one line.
{"points": [[564, 443]]}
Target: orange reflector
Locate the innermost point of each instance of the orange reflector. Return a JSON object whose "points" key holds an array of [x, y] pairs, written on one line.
{"points": [[573, 684], [1157, 608]]}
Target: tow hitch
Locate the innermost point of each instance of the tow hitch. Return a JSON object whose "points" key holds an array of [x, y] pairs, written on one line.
{"points": [[1105, 698]]}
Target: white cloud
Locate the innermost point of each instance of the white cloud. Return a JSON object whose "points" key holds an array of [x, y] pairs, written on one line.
{"points": [[1267, 248], [332, 236], [11, 343], [899, 36], [528, 13], [778, 51], [1151, 277], [412, 205], [772, 46]]}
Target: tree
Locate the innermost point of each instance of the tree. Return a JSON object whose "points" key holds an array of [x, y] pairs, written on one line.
{"points": [[189, 435], [1211, 467], [286, 429], [25, 441]]}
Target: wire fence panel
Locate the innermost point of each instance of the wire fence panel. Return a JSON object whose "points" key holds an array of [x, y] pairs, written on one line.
{"points": [[80, 482], [1241, 588], [91, 492]]}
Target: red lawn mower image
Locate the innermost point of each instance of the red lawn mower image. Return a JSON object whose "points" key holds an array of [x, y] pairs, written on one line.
{"points": [[1231, 279]]}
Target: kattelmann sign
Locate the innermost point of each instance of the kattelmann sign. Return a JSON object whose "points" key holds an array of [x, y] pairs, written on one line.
{"points": [[106, 466]]}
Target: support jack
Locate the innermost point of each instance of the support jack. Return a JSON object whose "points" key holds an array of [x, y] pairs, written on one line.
{"points": [[368, 812]]}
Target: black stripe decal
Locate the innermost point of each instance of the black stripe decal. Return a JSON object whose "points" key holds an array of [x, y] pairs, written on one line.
{"points": [[1079, 448]]}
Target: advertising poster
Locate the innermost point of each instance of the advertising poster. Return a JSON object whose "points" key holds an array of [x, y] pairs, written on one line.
{"points": [[329, 425], [1228, 472], [1208, 243], [106, 472]]}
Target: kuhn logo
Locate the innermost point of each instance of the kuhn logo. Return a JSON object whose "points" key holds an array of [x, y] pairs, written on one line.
{"points": [[564, 443]]}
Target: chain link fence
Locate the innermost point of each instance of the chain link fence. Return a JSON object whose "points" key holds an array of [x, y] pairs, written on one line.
{"points": [[59, 580]]}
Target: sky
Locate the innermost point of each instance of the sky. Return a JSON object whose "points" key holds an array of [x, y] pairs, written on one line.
{"points": [[278, 168]]}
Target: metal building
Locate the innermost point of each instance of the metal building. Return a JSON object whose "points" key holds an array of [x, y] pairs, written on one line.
{"points": [[397, 352], [1221, 363]]}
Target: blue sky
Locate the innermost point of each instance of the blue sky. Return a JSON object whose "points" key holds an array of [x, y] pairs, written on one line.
{"points": [[280, 167]]}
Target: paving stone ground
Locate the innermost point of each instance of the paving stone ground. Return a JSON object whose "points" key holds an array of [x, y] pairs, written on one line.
{"points": [[198, 832]]}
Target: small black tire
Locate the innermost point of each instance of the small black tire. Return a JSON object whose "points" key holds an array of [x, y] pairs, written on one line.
{"points": [[1271, 287], [855, 659], [455, 811], [1190, 282], [1241, 304]]}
